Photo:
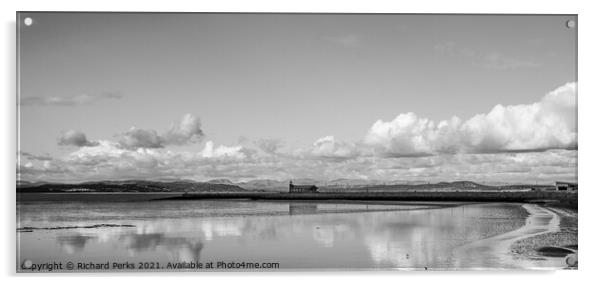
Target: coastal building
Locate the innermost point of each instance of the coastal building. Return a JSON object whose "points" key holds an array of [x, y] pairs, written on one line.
{"points": [[302, 188], [566, 186]]}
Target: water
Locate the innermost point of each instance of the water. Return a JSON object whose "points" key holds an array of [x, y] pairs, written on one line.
{"points": [[296, 235]]}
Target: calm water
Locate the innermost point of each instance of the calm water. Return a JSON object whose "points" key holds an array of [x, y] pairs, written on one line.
{"points": [[294, 234]]}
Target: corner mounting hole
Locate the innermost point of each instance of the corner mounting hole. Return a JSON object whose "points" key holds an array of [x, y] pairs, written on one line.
{"points": [[570, 24]]}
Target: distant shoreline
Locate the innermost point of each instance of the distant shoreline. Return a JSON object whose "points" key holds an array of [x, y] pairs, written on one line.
{"points": [[560, 199]]}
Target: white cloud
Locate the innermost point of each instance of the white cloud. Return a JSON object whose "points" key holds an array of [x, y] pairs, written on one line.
{"points": [[74, 138], [494, 146], [108, 160], [209, 151], [67, 100], [104, 148], [547, 124], [32, 156], [188, 130], [139, 138], [328, 147], [406, 135]]}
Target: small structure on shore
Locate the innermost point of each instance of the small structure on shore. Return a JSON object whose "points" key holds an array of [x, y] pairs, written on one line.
{"points": [[292, 188], [566, 186]]}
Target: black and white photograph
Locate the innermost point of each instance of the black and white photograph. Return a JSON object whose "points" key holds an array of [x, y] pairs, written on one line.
{"points": [[237, 142]]}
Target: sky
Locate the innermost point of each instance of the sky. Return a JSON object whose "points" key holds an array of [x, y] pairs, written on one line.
{"points": [[490, 98]]}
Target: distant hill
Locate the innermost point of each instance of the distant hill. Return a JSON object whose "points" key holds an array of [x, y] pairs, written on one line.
{"points": [[21, 183], [343, 182], [225, 185], [276, 185], [440, 186], [354, 185], [265, 184], [220, 181], [130, 186]]}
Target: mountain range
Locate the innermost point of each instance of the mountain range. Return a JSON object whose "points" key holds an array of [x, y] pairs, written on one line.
{"points": [[225, 185]]}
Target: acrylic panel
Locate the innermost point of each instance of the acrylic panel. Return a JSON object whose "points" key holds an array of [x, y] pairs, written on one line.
{"points": [[293, 141]]}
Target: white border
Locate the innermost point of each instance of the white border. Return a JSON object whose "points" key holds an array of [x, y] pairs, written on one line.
{"points": [[589, 24]]}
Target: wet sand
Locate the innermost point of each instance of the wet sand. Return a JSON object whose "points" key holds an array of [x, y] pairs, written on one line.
{"points": [[559, 243], [541, 224]]}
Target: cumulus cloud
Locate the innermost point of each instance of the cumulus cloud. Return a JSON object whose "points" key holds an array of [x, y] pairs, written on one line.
{"points": [[550, 123], [109, 160], [75, 138], [518, 143], [328, 147], [209, 151], [188, 130], [67, 100], [139, 138], [547, 124], [406, 135]]}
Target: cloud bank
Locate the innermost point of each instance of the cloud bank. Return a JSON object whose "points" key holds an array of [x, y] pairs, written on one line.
{"points": [[518, 143], [209, 151], [547, 124], [329, 147], [270, 146], [109, 161]]}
